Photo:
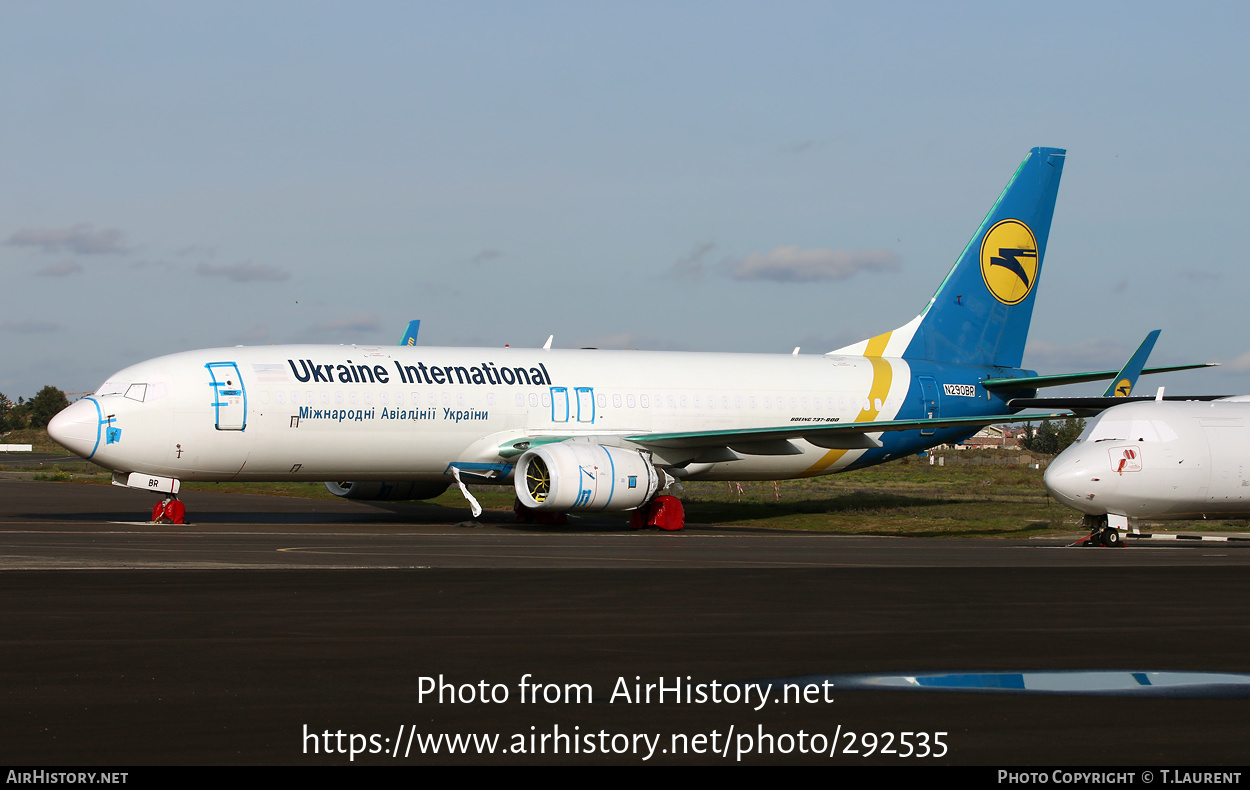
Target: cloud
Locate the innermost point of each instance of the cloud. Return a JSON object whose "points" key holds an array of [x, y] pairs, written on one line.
{"points": [[62, 269], [1239, 365], [790, 264], [82, 239], [198, 249], [245, 272], [1198, 276], [29, 327], [485, 255], [692, 265]]}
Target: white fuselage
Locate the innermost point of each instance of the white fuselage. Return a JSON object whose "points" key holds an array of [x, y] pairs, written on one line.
{"points": [[406, 413], [1159, 459]]}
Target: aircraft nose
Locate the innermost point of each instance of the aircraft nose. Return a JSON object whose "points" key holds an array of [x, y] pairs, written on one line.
{"points": [[77, 428], [1066, 477]]}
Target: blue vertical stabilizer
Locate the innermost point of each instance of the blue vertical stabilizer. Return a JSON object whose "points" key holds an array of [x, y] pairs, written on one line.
{"points": [[980, 314]]}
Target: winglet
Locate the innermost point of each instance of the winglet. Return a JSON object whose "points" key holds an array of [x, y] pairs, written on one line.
{"points": [[1124, 382]]}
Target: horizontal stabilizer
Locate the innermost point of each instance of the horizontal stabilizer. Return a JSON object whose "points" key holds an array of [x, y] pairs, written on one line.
{"points": [[1088, 406], [1037, 382]]}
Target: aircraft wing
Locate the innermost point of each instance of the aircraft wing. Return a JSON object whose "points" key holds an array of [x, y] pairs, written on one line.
{"points": [[847, 435]]}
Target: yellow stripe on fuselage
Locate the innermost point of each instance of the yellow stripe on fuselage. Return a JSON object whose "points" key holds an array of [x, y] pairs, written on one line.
{"points": [[876, 346], [882, 378]]}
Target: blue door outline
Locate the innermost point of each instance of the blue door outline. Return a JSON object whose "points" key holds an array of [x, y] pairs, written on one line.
{"points": [[229, 396], [585, 404], [559, 404], [931, 401]]}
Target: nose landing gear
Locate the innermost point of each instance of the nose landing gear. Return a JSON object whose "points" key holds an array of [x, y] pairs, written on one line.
{"points": [[1105, 531], [169, 511]]}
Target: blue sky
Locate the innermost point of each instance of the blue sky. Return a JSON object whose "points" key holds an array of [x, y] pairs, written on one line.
{"points": [[688, 176]]}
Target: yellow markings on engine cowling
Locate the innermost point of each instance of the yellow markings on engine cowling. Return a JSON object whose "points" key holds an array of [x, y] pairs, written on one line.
{"points": [[882, 378], [1009, 261]]}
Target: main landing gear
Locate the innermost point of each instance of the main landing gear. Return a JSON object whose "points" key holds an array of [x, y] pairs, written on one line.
{"points": [[169, 511], [665, 512], [528, 515]]}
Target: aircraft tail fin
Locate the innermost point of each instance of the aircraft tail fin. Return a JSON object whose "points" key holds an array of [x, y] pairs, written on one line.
{"points": [[1122, 385], [980, 314], [410, 334]]}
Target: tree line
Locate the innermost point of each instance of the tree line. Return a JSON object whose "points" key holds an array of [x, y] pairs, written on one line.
{"points": [[1051, 438], [33, 413]]}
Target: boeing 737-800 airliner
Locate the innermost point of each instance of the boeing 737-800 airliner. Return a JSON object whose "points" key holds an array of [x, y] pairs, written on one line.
{"points": [[587, 430]]}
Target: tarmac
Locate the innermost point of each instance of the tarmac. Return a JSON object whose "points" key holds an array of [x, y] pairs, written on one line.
{"points": [[286, 631]]}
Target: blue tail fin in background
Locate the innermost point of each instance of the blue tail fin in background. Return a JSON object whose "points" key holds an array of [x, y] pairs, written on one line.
{"points": [[980, 314], [410, 334], [1122, 385]]}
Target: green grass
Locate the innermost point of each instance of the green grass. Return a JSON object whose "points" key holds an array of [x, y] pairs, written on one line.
{"points": [[976, 494], [34, 436]]}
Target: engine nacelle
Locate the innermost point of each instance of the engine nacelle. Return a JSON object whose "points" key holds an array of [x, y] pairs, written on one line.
{"points": [[372, 489], [584, 476]]}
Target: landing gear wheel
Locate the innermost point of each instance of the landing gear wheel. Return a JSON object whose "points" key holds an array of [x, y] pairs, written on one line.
{"points": [[1111, 538], [524, 515], [175, 511], [638, 518], [528, 515]]}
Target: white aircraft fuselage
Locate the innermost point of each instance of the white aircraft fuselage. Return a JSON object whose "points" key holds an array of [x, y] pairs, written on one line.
{"points": [[1159, 460], [587, 429], [406, 413]]}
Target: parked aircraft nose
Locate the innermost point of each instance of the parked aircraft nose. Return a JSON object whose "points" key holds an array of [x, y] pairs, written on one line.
{"points": [[77, 428], [1068, 477]]}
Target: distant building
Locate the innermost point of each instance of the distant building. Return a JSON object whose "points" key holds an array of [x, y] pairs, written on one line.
{"points": [[996, 437]]}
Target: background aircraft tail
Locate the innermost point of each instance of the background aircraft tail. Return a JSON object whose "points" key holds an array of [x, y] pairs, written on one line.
{"points": [[980, 314]]}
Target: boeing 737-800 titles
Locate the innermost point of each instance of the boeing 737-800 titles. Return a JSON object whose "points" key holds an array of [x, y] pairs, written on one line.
{"points": [[588, 430]]}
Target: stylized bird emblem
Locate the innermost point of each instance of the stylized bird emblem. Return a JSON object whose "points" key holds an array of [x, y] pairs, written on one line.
{"points": [[1008, 261]]}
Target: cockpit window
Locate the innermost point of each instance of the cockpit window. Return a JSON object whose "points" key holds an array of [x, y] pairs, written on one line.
{"points": [[143, 392], [1102, 429]]}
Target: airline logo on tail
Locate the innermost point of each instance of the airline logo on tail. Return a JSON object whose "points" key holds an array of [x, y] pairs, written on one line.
{"points": [[1009, 261]]}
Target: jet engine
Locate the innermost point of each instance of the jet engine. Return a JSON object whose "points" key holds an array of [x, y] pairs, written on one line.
{"points": [[404, 489], [583, 476]]}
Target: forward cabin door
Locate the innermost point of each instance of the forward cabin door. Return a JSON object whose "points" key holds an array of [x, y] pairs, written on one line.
{"points": [[229, 397]]}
